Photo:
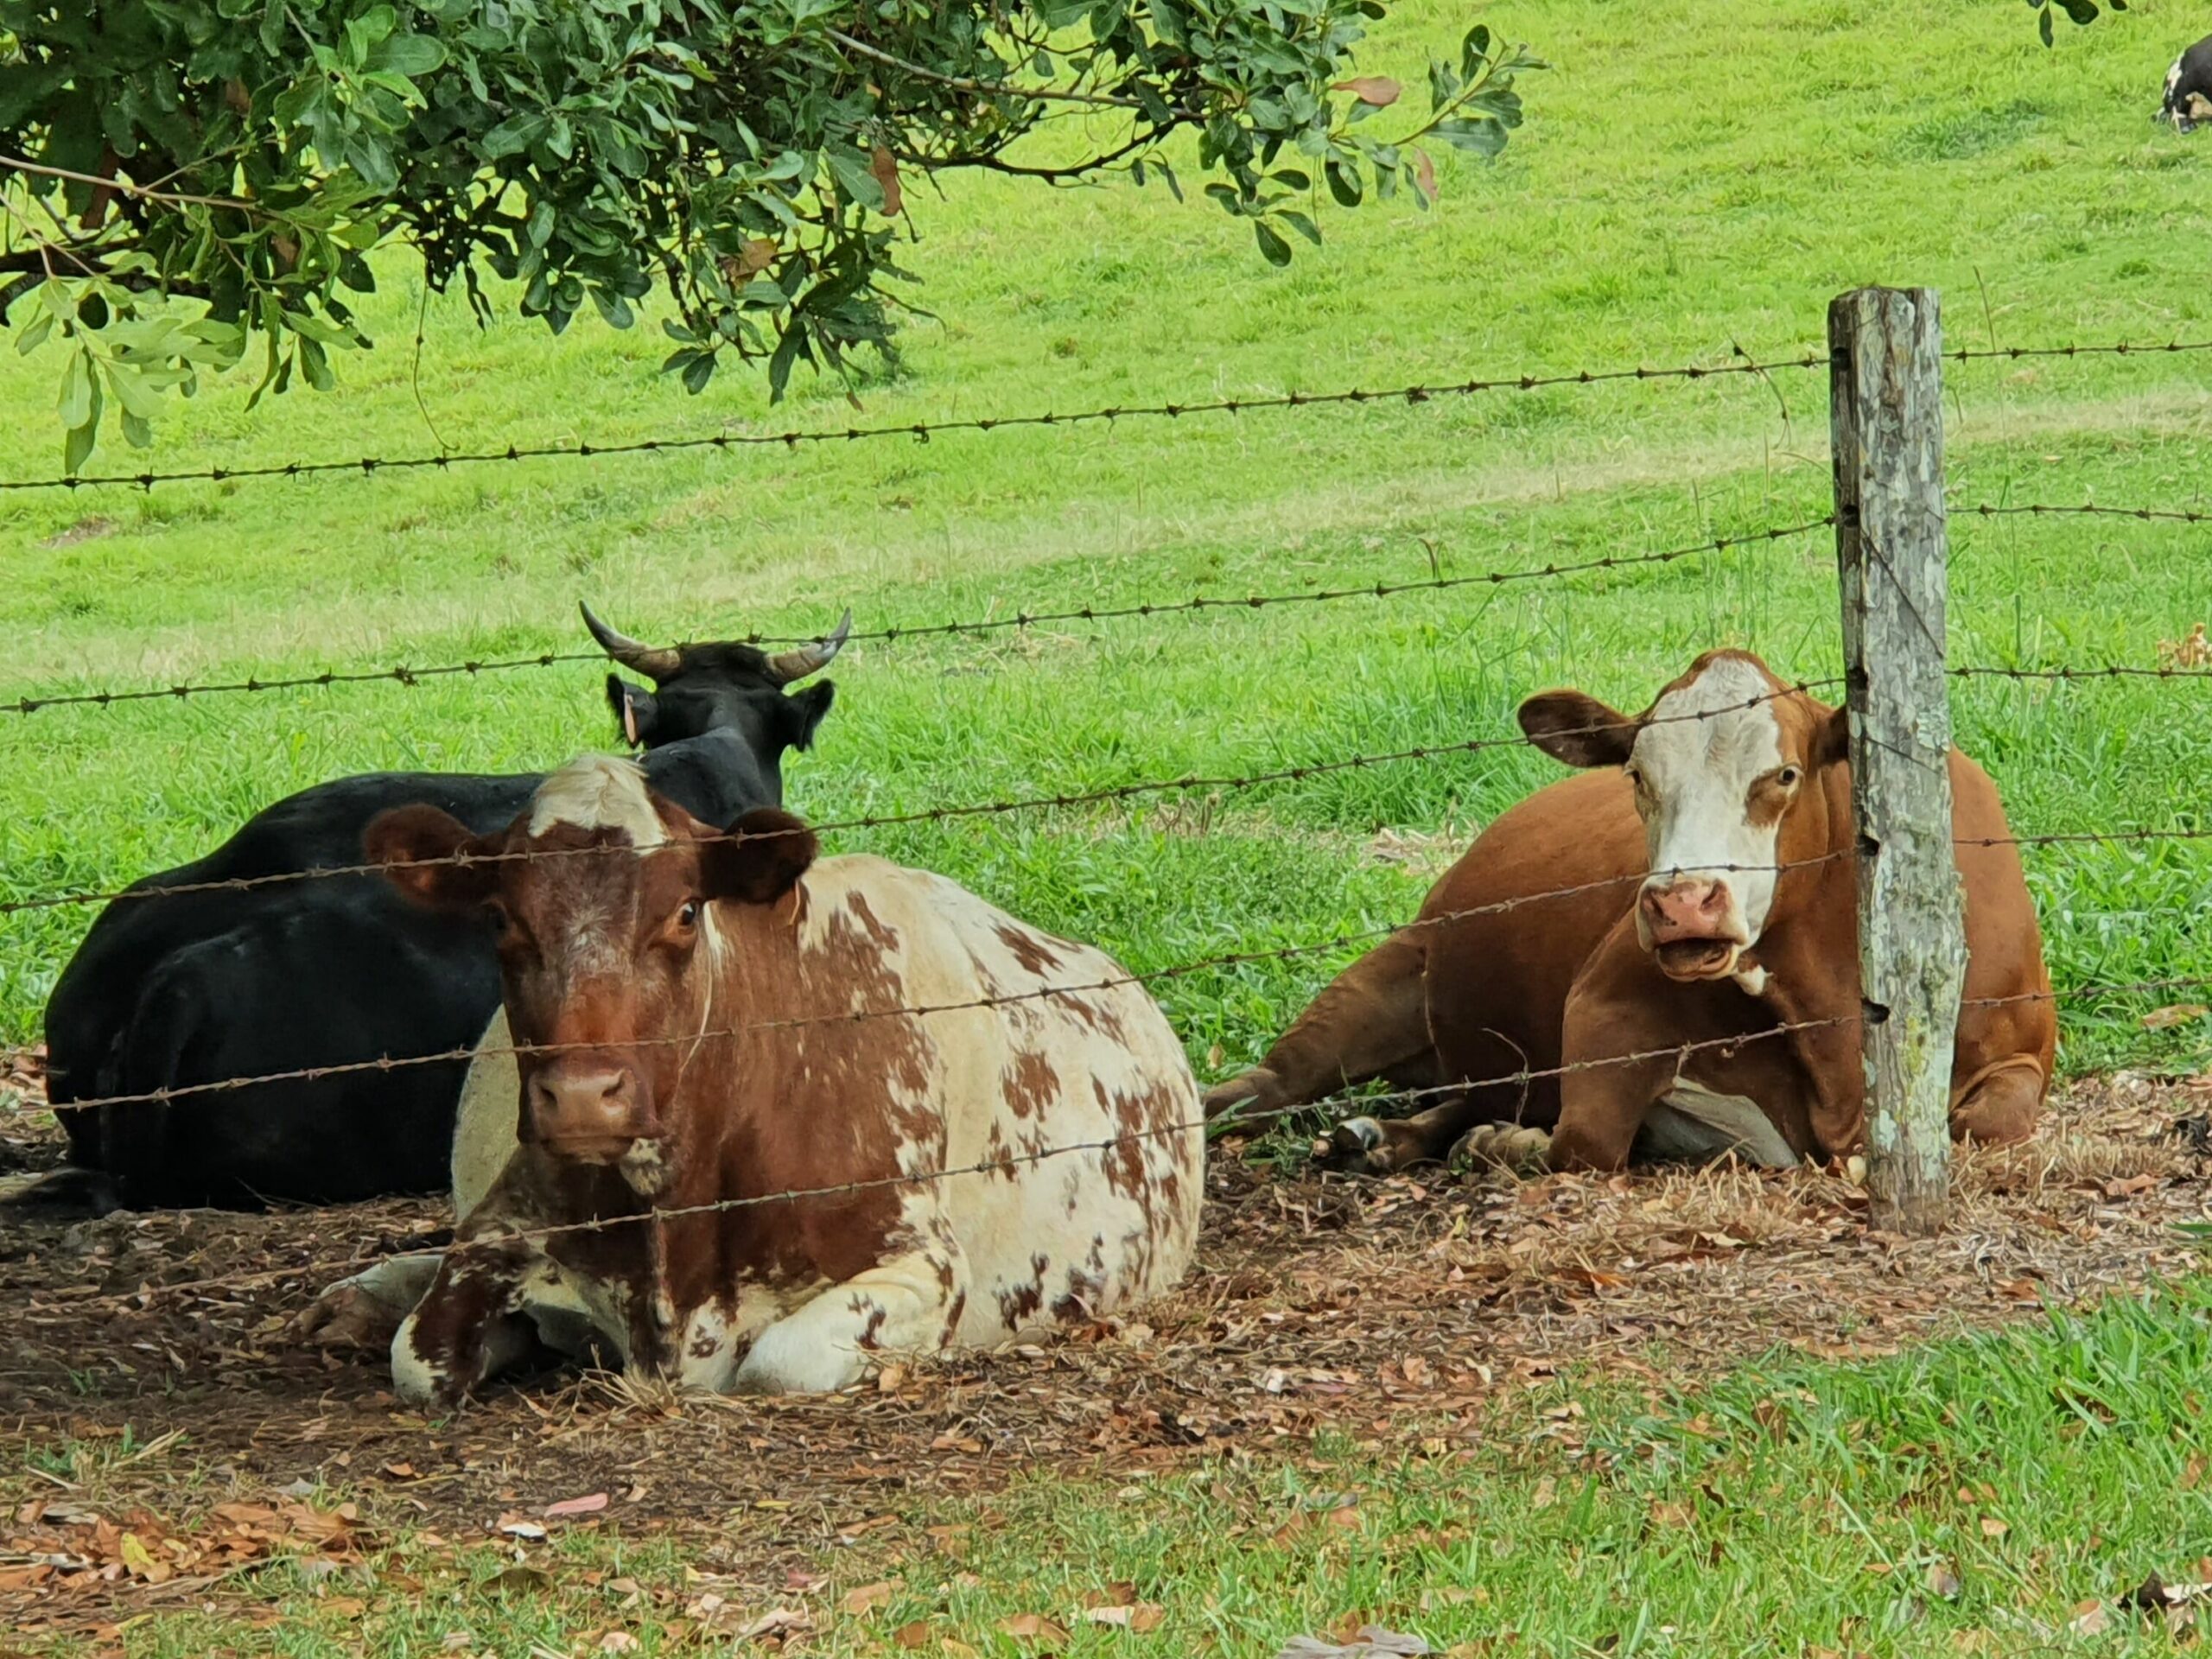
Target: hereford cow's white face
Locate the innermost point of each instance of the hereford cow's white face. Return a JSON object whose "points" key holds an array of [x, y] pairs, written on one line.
{"points": [[1712, 779], [1716, 763]]}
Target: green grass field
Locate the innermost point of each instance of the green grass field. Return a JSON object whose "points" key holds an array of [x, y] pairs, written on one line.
{"points": [[1690, 182], [1693, 179]]}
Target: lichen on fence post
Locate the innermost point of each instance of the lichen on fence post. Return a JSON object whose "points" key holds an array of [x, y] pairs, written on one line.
{"points": [[1886, 419]]}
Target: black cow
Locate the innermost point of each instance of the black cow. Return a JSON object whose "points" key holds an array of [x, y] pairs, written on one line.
{"points": [[2189, 88], [198, 988]]}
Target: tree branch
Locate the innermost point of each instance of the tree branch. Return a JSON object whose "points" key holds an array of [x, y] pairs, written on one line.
{"points": [[991, 163], [984, 88], [169, 198]]}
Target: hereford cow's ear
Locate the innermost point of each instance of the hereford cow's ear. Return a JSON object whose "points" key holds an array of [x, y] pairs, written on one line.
{"points": [[769, 852], [407, 837], [1575, 727], [1831, 741]]}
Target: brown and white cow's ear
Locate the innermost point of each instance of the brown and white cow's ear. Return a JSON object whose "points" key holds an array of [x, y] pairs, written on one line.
{"points": [[1831, 741], [1573, 727], [405, 838], [770, 849]]}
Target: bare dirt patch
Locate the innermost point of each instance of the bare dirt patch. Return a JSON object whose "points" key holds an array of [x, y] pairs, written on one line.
{"points": [[1399, 1312]]}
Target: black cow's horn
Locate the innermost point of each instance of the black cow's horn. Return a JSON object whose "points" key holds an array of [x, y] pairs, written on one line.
{"points": [[656, 663], [797, 664]]}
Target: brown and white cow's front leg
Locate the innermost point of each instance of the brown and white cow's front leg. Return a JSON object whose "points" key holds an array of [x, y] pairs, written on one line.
{"points": [[470, 1324], [909, 1302]]}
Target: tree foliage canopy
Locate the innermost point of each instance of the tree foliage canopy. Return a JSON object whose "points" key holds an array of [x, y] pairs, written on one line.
{"points": [[181, 179]]}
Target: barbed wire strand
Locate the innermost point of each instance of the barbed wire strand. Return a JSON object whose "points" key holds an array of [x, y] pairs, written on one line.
{"points": [[1418, 393], [930, 814], [2118, 348], [1236, 1118], [923, 431], [1186, 783], [407, 675], [386, 1063]]}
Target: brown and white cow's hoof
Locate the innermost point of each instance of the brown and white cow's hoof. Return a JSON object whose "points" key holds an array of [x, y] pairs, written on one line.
{"points": [[1504, 1146], [1257, 1090], [349, 1316]]}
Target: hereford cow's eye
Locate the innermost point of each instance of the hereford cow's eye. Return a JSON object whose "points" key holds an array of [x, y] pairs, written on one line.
{"points": [[689, 916], [1788, 777]]}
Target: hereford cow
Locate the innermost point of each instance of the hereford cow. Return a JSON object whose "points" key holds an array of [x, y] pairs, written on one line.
{"points": [[1640, 907], [174, 992], [2189, 88], [694, 1008]]}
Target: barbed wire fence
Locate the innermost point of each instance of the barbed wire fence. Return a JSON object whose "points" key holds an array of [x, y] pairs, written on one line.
{"points": [[1874, 568]]}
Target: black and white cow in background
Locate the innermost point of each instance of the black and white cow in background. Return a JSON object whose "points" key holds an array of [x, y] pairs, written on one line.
{"points": [[2189, 88], [170, 992]]}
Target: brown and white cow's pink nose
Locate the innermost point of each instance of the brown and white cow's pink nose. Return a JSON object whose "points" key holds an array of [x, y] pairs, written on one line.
{"points": [[587, 1110]]}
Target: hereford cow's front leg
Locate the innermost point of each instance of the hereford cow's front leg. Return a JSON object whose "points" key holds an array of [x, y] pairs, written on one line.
{"points": [[909, 1303], [1371, 1020]]}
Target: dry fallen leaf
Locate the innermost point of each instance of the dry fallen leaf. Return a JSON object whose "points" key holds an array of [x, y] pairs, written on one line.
{"points": [[868, 1597], [517, 1582], [1993, 1527], [2194, 651], [1370, 1642], [2090, 1619], [568, 1506], [914, 1636], [2178, 1013], [1139, 1617], [1032, 1627], [1942, 1581], [777, 1621]]}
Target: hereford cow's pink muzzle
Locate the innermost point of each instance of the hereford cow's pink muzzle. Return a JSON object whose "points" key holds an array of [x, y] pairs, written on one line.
{"points": [[1692, 926]]}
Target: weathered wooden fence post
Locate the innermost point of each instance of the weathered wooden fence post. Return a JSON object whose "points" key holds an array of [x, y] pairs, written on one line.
{"points": [[1886, 419]]}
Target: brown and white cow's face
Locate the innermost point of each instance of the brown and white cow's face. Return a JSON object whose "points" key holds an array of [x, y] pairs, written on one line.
{"points": [[609, 951], [1722, 764]]}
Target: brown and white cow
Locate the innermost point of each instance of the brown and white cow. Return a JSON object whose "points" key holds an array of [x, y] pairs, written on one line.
{"points": [[702, 1002], [1709, 867]]}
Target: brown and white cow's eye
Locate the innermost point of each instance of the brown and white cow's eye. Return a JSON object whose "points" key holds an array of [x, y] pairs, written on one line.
{"points": [[688, 915], [1788, 777]]}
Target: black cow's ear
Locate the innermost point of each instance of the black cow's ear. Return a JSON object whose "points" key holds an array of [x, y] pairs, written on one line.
{"points": [[767, 851], [416, 844], [634, 711], [1573, 727], [806, 709]]}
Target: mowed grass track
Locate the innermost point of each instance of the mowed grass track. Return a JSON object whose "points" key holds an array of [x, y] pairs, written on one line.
{"points": [[1691, 182]]}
